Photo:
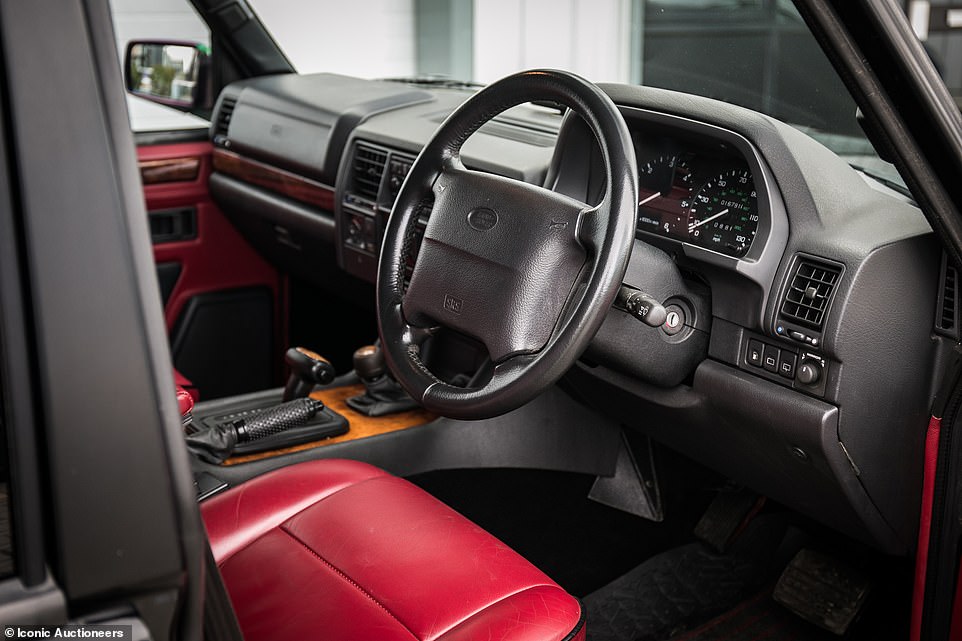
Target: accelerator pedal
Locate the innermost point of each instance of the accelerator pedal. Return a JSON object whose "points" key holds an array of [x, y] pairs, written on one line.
{"points": [[823, 590]]}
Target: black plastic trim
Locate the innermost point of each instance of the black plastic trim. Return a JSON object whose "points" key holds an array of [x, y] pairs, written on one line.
{"points": [[172, 225], [241, 199], [173, 137], [246, 40], [223, 341], [167, 275], [752, 431], [552, 432], [18, 374]]}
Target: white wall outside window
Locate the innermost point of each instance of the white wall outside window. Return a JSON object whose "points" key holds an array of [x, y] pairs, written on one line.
{"points": [[366, 38], [588, 37]]}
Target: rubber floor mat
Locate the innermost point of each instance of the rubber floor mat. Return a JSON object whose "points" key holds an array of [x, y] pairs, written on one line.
{"points": [[686, 586], [757, 619]]}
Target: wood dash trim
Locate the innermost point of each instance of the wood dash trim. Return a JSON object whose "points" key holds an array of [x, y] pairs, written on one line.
{"points": [[361, 426], [169, 170], [274, 179]]}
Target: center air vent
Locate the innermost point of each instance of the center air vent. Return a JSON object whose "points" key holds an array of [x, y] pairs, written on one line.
{"points": [[809, 293], [224, 115], [367, 169]]}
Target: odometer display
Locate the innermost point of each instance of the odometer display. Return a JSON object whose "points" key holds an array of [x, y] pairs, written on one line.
{"points": [[724, 213]]}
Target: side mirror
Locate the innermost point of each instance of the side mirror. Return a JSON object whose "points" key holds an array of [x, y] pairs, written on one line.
{"points": [[169, 73]]}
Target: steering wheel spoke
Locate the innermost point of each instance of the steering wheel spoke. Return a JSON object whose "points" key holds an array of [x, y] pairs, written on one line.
{"points": [[592, 228]]}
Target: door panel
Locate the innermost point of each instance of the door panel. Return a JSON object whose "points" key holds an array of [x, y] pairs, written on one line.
{"points": [[203, 260]]}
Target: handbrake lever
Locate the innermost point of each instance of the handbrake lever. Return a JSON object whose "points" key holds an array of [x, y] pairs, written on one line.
{"points": [[217, 443]]}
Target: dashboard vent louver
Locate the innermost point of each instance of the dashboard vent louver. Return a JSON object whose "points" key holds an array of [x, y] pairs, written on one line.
{"points": [[367, 170], [809, 293], [947, 313], [224, 115]]}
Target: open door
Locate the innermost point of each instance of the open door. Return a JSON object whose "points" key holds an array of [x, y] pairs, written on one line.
{"points": [[222, 302]]}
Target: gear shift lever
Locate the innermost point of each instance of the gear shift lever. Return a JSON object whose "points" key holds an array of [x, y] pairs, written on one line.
{"points": [[307, 370], [369, 362], [382, 393]]}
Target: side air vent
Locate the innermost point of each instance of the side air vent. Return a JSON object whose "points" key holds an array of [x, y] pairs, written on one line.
{"points": [[809, 293], [947, 313], [367, 168], [224, 115]]}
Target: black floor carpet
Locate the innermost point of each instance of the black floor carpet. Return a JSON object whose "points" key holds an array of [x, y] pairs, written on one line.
{"points": [[648, 581], [757, 619], [680, 588], [547, 518], [691, 593]]}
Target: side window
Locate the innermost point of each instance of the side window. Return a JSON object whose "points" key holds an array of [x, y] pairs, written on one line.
{"points": [[173, 21]]}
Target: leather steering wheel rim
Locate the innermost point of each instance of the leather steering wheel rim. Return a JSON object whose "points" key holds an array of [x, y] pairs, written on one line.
{"points": [[526, 271]]}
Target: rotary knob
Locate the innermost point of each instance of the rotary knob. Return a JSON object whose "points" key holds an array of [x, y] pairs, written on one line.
{"points": [[809, 372]]}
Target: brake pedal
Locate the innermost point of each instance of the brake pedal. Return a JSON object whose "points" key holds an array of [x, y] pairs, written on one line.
{"points": [[823, 590], [726, 517]]}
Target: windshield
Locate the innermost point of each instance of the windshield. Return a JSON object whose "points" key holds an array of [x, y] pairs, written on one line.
{"points": [[755, 53]]}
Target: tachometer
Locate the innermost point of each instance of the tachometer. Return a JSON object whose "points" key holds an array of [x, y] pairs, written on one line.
{"points": [[664, 189], [724, 213]]}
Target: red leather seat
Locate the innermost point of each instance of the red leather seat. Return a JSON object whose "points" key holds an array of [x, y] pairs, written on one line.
{"points": [[344, 551], [183, 382]]}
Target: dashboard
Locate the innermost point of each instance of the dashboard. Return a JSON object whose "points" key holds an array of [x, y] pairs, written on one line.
{"points": [[789, 369]]}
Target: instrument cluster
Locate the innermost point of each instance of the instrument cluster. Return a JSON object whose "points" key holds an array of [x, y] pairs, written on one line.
{"points": [[696, 193]]}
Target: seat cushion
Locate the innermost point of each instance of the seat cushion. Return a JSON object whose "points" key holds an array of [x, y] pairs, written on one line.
{"points": [[341, 550]]}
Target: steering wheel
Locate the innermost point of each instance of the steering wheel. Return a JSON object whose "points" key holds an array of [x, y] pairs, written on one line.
{"points": [[528, 272]]}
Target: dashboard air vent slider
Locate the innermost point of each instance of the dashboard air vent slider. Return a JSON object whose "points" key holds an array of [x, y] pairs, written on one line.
{"points": [[367, 170], [809, 293]]}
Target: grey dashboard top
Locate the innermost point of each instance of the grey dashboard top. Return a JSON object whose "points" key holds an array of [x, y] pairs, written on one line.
{"points": [[301, 123]]}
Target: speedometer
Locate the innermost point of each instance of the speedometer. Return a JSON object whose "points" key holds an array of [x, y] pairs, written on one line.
{"points": [[724, 213]]}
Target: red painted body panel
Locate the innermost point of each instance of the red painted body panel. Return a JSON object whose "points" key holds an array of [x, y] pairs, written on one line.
{"points": [[925, 524]]}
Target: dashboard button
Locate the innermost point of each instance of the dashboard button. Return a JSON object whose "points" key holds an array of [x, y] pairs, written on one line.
{"points": [[755, 350], [786, 364], [770, 356]]}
